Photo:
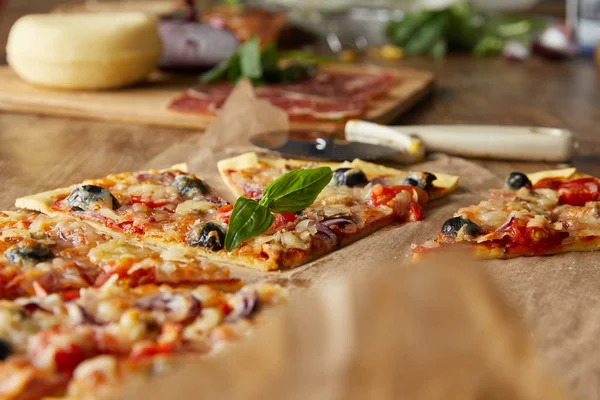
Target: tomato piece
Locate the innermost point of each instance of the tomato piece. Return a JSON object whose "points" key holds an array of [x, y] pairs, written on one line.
{"points": [[224, 212], [66, 360], [578, 191], [416, 212], [282, 219], [68, 295], [129, 227], [381, 195], [522, 239], [148, 350], [147, 202], [548, 183]]}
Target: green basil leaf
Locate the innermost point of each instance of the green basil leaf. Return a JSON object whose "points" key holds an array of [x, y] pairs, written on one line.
{"points": [[269, 56], [234, 73], [216, 74], [248, 219], [296, 190], [250, 62]]}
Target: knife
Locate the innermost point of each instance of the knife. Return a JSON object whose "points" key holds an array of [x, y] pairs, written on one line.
{"points": [[481, 141], [407, 144], [324, 145]]}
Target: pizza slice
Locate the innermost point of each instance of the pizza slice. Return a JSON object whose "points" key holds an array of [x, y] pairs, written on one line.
{"points": [[543, 213], [361, 198], [87, 345], [178, 211], [44, 255]]}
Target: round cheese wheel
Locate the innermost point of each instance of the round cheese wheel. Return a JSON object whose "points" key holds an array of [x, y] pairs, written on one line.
{"points": [[84, 51]]}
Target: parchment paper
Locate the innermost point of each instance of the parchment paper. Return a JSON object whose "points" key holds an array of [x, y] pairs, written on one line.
{"points": [[434, 332], [556, 295]]}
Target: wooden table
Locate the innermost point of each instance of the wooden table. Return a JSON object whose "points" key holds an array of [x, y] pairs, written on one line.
{"points": [[38, 153]]}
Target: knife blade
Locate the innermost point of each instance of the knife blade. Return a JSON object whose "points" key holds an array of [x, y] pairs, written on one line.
{"points": [[324, 145]]}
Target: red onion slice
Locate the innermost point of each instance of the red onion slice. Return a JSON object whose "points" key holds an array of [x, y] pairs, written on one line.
{"points": [[325, 234], [555, 43], [194, 45], [337, 221], [506, 225]]}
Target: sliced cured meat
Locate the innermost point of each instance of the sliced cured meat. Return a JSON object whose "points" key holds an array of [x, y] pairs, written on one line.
{"points": [[326, 96]]}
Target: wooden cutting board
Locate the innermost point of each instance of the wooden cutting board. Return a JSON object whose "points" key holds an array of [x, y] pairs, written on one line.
{"points": [[146, 103]]}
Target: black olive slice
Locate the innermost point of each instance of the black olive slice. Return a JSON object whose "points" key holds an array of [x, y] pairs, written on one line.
{"points": [[5, 349], [209, 235], [28, 251], [349, 177], [517, 180], [90, 197], [189, 185], [455, 224], [423, 180]]}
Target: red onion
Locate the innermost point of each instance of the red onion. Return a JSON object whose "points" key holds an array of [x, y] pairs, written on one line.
{"points": [[245, 304], [506, 225], [86, 317], [337, 221], [192, 45], [325, 234], [555, 43], [174, 307]]}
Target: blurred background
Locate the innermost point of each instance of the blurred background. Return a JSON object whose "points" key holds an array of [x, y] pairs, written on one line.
{"points": [[347, 27]]}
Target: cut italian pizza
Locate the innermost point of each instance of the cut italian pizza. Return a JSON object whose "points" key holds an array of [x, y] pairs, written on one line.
{"points": [[542, 213]]}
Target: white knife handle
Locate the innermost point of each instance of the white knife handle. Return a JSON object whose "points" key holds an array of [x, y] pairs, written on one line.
{"points": [[410, 149], [517, 143]]}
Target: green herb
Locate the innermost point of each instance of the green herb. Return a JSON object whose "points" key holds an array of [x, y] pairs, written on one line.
{"points": [[460, 27], [250, 59], [259, 66], [291, 192], [248, 219], [295, 190]]}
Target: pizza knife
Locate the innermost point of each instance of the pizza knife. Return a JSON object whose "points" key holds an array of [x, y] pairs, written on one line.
{"points": [[406, 144], [315, 144]]}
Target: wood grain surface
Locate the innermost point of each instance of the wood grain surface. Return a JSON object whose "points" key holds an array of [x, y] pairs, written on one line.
{"points": [[39, 153], [147, 103]]}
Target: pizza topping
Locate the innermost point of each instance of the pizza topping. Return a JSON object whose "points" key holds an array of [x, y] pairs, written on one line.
{"points": [[5, 349], [455, 225], [194, 206], [349, 177], [577, 192], [91, 197], [206, 234], [517, 180], [244, 304], [190, 186], [326, 235], [28, 251], [423, 180], [170, 307]]}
